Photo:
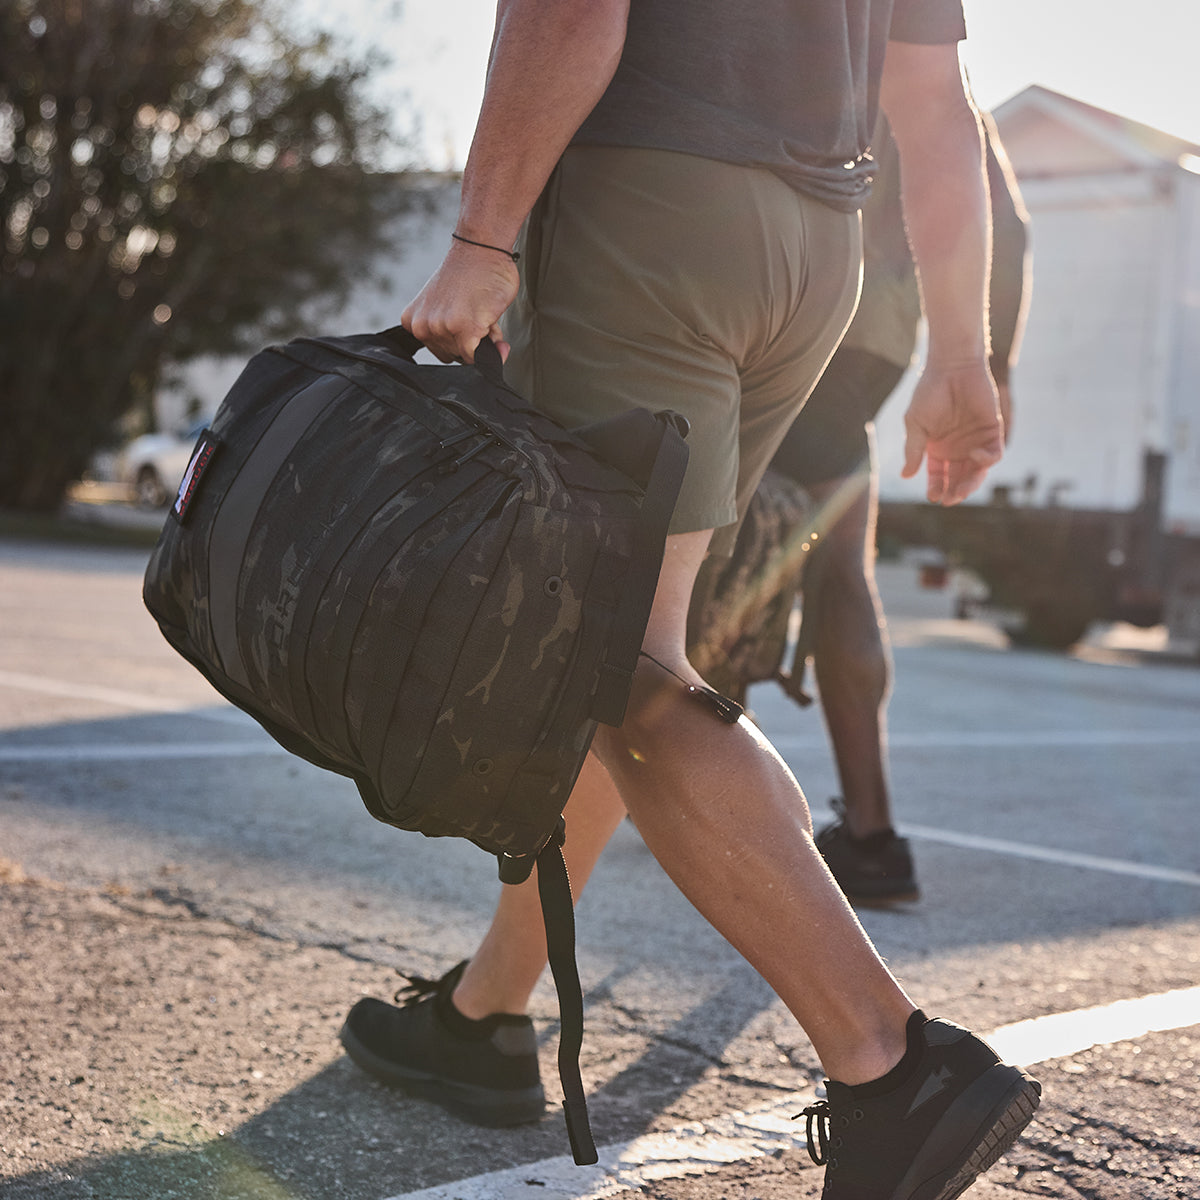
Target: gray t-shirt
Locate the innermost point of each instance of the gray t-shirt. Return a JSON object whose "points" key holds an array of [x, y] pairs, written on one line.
{"points": [[788, 85]]}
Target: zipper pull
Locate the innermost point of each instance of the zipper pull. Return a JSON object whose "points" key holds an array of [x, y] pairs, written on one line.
{"points": [[450, 467]]}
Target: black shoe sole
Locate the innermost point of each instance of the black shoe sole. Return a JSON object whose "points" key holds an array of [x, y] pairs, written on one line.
{"points": [[495, 1108], [976, 1130]]}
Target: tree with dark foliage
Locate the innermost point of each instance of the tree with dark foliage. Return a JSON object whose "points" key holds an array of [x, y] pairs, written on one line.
{"points": [[177, 177]]}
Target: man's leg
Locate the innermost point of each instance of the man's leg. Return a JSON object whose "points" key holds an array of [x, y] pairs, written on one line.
{"points": [[847, 638], [853, 675], [914, 1107], [913, 1104], [850, 652], [504, 970], [728, 822]]}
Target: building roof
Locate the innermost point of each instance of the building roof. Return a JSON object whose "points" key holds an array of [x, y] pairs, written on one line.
{"points": [[1045, 130]]}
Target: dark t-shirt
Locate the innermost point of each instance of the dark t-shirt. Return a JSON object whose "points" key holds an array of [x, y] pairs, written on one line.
{"points": [[789, 85]]}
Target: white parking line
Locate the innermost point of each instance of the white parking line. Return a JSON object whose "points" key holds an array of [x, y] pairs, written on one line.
{"points": [[702, 1147], [1063, 1034], [139, 751], [984, 739], [1061, 858], [1045, 738], [693, 1149]]}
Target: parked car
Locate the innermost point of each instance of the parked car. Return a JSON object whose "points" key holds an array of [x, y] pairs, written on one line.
{"points": [[152, 465]]}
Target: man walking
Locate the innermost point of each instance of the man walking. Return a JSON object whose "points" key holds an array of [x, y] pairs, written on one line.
{"points": [[688, 176], [829, 452]]}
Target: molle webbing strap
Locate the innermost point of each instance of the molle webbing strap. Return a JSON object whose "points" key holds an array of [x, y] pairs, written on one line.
{"points": [[349, 530], [239, 510]]}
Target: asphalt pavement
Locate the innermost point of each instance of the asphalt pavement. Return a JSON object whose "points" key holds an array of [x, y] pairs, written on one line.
{"points": [[187, 913]]}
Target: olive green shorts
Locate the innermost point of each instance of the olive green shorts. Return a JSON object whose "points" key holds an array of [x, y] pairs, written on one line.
{"points": [[664, 280]]}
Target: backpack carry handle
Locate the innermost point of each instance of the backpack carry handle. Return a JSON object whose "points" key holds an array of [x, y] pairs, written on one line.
{"points": [[487, 358]]}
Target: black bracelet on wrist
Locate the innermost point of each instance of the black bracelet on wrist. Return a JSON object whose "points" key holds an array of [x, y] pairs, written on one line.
{"points": [[458, 237]]}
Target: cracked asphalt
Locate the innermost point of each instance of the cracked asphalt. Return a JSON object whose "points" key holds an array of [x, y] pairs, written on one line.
{"points": [[182, 928]]}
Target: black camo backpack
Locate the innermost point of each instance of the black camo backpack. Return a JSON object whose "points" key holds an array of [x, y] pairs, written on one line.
{"points": [[412, 578]]}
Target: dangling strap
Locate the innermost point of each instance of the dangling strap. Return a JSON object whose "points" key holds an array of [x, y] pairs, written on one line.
{"points": [[558, 915]]}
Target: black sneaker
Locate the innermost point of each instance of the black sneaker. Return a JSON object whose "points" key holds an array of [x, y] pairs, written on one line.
{"points": [[925, 1130], [485, 1071], [873, 870]]}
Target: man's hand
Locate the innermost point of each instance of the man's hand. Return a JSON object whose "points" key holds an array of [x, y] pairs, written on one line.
{"points": [[462, 303], [551, 62], [954, 424]]}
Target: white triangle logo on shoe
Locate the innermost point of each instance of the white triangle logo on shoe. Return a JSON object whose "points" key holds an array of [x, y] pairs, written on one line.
{"points": [[935, 1083]]}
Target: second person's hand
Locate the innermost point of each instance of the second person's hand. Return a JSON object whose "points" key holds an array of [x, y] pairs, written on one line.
{"points": [[953, 423]]}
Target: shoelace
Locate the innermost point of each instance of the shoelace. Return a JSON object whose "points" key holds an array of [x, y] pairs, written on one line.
{"points": [[415, 989], [819, 1121], [817, 1117]]}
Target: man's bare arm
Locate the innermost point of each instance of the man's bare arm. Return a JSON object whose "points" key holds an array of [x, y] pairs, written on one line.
{"points": [[953, 421], [551, 61]]}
